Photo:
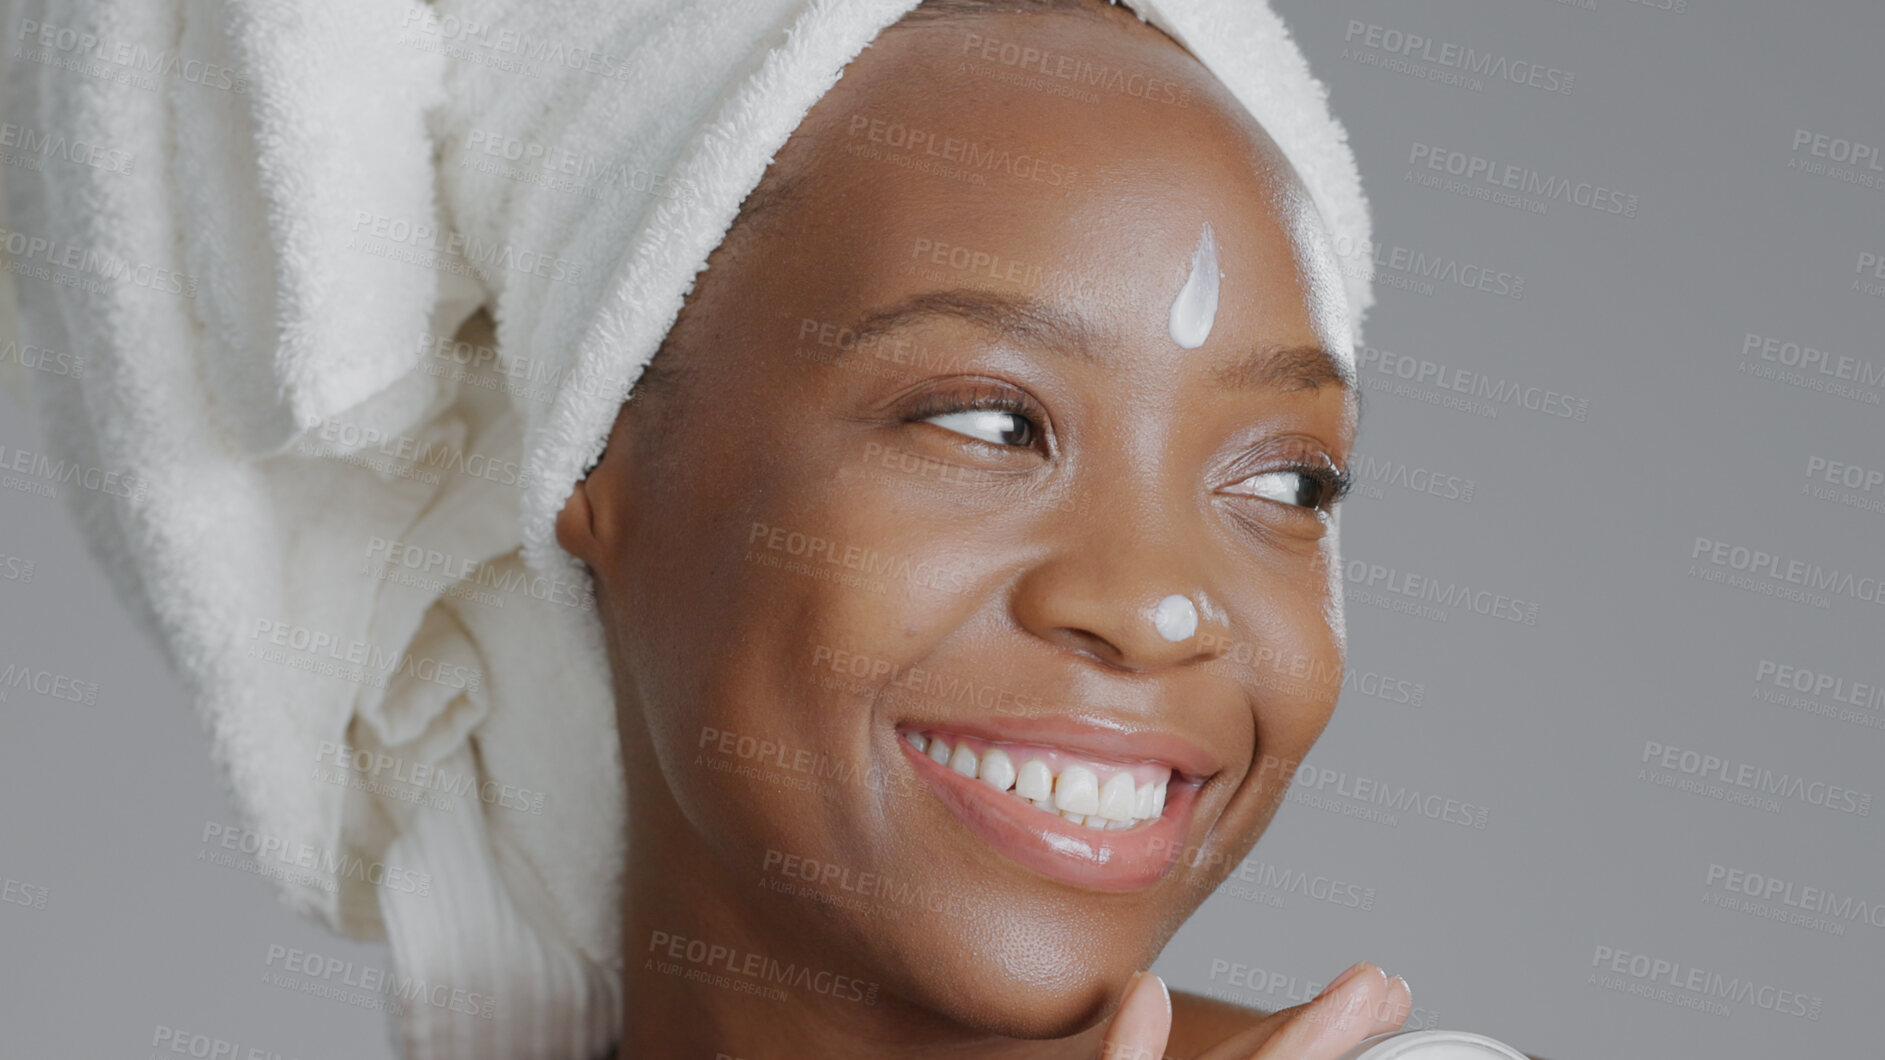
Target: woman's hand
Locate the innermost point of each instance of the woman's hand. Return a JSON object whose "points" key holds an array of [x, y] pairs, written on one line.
{"points": [[1360, 1003]]}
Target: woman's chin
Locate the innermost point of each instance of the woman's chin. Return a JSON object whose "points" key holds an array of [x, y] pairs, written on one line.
{"points": [[1018, 1008]]}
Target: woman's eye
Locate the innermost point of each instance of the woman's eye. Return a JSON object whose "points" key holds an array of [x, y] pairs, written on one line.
{"points": [[1302, 489], [989, 425]]}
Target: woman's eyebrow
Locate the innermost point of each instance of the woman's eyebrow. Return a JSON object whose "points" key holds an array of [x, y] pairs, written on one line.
{"points": [[1309, 367], [1018, 316], [1269, 367]]}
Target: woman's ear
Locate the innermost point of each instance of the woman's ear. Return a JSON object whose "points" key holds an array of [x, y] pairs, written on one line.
{"points": [[586, 525], [598, 515], [576, 528]]}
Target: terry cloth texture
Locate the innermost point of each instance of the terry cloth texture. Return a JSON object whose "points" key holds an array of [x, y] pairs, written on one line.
{"points": [[260, 226]]}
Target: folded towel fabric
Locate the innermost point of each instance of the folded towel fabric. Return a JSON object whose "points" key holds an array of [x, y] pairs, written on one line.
{"points": [[340, 520]]}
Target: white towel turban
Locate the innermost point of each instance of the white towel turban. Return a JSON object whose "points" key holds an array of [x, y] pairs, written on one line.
{"points": [[257, 225]]}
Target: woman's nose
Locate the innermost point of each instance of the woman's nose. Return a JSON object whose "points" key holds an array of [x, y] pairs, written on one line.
{"points": [[1129, 602]]}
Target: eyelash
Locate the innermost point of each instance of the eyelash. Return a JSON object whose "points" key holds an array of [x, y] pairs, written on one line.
{"points": [[1334, 484], [982, 399]]}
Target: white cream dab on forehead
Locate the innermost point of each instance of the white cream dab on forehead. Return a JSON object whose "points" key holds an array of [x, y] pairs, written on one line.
{"points": [[1195, 308]]}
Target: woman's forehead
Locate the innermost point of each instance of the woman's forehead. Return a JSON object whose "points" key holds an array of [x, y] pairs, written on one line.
{"points": [[922, 163]]}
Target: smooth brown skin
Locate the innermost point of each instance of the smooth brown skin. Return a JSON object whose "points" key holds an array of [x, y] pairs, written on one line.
{"points": [[1057, 548]]}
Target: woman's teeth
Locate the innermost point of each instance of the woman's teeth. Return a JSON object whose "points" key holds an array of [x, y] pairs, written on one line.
{"points": [[1077, 793]]}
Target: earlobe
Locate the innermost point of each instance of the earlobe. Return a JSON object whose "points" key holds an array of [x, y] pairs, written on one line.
{"points": [[586, 526], [576, 524]]}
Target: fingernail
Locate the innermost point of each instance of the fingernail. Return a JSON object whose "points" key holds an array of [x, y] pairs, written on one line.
{"points": [[1401, 979], [1353, 970], [1132, 984]]}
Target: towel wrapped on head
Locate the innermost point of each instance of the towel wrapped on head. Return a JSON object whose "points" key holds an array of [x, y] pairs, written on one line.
{"points": [[342, 532]]}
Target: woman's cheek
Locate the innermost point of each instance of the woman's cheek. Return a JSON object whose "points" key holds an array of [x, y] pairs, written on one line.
{"points": [[910, 544]]}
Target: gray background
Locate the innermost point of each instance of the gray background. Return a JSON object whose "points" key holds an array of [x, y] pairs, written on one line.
{"points": [[1644, 317]]}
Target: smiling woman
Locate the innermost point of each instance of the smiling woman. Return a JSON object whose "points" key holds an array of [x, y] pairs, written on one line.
{"points": [[1176, 359], [894, 450]]}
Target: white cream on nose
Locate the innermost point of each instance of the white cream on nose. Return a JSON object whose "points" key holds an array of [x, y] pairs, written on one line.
{"points": [[1176, 617]]}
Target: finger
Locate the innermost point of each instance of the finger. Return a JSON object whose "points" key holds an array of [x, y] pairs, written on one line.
{"points": [[1393, 1007], [1245, 1045], [1401, 1005], [1143, 1022], [1359, 1004]]}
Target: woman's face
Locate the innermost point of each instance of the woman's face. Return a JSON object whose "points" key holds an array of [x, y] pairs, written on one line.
{"points": [[930, 460]]}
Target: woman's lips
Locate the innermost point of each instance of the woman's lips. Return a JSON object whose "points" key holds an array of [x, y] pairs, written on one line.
{"points": [[1106, 854]]}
